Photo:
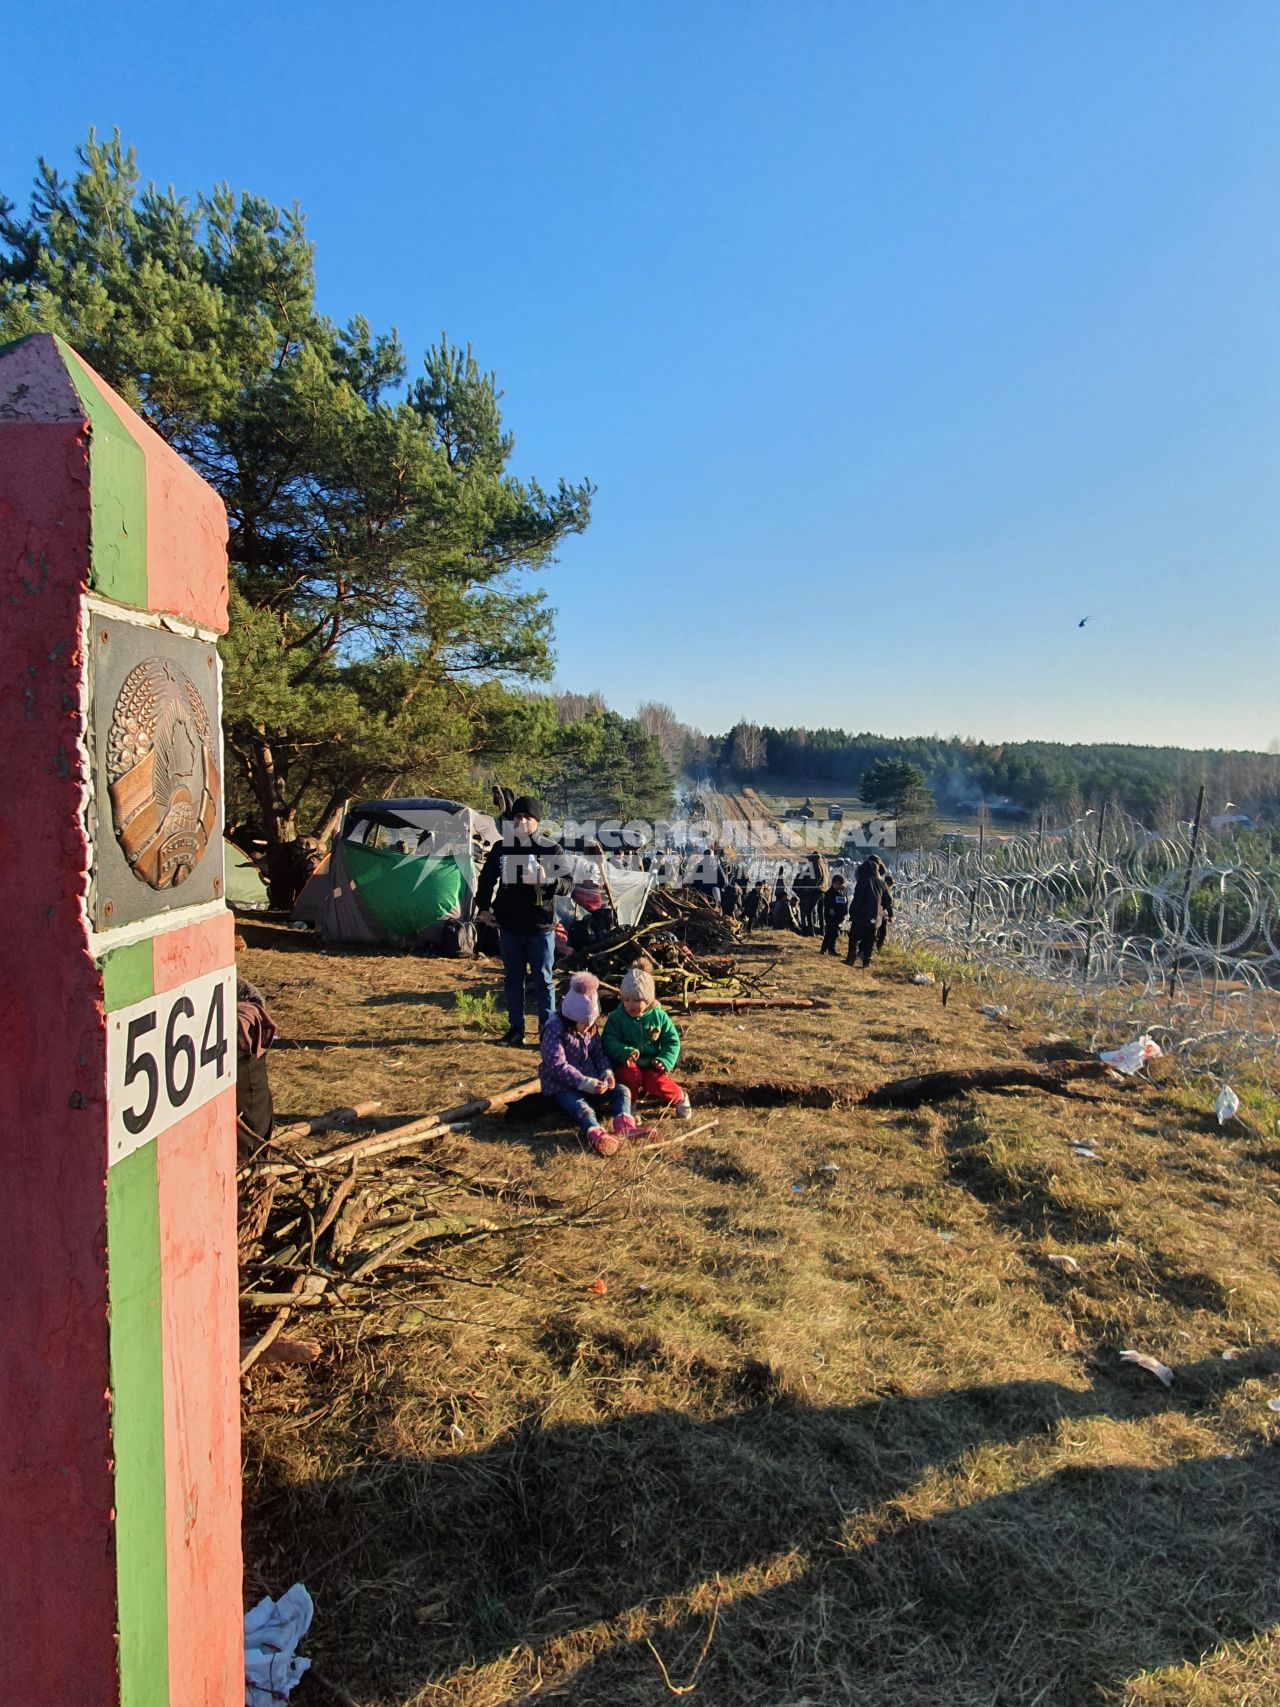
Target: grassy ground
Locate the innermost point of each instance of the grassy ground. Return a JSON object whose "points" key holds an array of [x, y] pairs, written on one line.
{"points": [[834, 1429]]}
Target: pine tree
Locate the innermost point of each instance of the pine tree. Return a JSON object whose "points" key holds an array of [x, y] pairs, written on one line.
{"points": [[380, 549]]}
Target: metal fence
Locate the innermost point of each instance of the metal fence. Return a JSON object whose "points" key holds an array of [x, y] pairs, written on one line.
{"points": [[1113, 927]]}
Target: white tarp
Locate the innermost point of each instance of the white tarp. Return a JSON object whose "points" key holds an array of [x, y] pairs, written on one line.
{"points": [[630, 889], [630, 892]]}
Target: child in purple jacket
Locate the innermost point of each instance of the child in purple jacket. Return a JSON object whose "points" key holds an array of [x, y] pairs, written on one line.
{"points": [[574, 1067]]}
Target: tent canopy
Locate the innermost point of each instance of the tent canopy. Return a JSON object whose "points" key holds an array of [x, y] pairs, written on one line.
{"points": [[400, 872], [244, 885]]}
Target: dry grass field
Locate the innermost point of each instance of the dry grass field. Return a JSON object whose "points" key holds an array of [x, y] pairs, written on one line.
{"points": [[797, 1411]]}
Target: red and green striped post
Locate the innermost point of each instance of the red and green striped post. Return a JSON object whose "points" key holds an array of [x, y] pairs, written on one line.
{"points": [[120, 1562]]}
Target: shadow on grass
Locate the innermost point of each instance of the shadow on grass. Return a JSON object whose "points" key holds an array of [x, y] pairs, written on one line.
{"points": [[381, 1042], [1048, 1592], [444, 999]]}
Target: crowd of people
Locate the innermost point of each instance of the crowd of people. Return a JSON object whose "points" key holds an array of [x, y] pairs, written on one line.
{"points": [[812, 902], [596, 1072]]}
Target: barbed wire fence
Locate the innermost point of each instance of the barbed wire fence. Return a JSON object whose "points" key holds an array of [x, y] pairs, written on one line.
{"points": [[1115, 930]]}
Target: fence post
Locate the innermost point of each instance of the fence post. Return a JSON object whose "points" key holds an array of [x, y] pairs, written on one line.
{"points": [[1217, 957], [973, 897], [1185, 917], [1093, 892]]}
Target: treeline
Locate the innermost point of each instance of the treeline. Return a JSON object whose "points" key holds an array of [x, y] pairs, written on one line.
{"points": [[1154, 784]]}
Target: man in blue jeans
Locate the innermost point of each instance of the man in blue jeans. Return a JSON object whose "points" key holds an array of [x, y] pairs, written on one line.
{"points": [[519, 881]]}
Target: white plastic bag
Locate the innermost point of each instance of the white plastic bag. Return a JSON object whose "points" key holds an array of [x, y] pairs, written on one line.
{"points": [[272, 1631], [1132, 1057], [1226, 1105], [1152, 1365]]}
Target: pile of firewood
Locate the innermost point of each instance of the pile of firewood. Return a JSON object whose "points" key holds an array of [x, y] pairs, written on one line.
{"points": [[320, 1230], [686, 942]]}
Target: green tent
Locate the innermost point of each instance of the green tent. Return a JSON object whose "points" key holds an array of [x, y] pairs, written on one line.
{"points": [[402, 895], [244, 887], [400, 871]]}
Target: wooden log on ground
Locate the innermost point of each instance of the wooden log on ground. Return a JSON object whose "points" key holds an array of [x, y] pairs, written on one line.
{"points": [[256, 1213], [336, 1202], [381, 1143], [324, 1122], [285, 1351], [528, 1109], [488, 1105], [263, 1344], [431, 1227], [412, 1132], [285, 1300]]}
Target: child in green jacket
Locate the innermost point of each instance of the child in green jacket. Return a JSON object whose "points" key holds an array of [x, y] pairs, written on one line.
{"points": [[643, 1045]]}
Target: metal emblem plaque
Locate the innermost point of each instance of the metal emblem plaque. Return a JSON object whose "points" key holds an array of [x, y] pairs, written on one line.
{"points": [[157, 772]]}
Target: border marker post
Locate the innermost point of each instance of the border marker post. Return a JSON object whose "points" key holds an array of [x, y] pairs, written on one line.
{"points": [[120, 1554]]}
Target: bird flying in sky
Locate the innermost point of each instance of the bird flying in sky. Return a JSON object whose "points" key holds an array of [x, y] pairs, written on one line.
{"points": [[1083, 620]]}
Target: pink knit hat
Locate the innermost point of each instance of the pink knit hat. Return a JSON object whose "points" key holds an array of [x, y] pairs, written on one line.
{"points": [[581, 1002]]}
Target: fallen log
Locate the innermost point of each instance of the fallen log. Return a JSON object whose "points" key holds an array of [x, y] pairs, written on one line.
{"points": [[257, 1350], [255, 1215], [336, 1202], [487, 1105], [412, 1132], [286, 1301], [530, 1108], [285, 1351], [418, 1232], [324, 1122], [399, 1137], [732, 1004]]}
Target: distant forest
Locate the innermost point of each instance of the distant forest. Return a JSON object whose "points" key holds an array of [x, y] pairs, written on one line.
{"points": [[1016, 778]]}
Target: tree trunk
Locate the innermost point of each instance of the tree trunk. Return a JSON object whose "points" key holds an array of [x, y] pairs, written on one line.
{"points": [[284, 868], [331, 818]]}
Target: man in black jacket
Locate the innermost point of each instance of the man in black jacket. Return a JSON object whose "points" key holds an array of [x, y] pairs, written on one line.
{"points": [[519, 881], [866, 911], [808, 892]]}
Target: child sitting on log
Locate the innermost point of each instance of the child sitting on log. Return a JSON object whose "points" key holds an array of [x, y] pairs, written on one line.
{"points": [[574, 1068], [643, 1044]]}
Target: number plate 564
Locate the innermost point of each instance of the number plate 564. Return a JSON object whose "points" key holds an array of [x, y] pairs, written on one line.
{"points": [[168, 1055]]}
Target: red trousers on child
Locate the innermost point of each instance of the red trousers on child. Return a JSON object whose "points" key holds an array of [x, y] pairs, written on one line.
{"points": [[651, 1082]]}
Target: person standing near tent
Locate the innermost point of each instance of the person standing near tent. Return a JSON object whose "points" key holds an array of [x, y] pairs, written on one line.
{"points": [[521, 877]]}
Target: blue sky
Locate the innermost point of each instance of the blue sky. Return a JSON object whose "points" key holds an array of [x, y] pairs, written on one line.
{"points": [[897, 337]]}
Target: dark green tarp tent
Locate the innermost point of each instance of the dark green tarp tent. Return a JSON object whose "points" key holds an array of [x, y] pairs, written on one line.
{"points": [[401, 872]]}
